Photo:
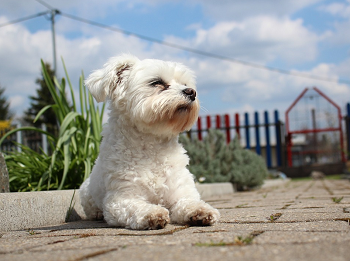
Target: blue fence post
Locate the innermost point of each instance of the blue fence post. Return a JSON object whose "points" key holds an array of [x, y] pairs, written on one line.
{"points": [[247, 135], [267, 135], [347, 122], [278, 140], [257, 134]]}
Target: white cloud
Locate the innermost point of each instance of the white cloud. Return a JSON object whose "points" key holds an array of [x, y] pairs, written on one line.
{"points": [[21, 51], [16, 101], [341, 11], [259, 39], [338, 9], [224, 86], [238, 9]]}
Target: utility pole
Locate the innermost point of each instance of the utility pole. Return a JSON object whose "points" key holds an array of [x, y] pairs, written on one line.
{"points": [[53, 13]]}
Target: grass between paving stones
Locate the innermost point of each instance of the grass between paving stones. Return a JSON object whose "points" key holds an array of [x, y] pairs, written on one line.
{"points": [[274, 217], [32, 232], [337, 200], [238, 241], [330, 177]]}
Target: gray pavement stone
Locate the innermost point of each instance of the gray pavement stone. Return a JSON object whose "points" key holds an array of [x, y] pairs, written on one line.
{"points": [[297, 237], [254, 252], [288, 222]]}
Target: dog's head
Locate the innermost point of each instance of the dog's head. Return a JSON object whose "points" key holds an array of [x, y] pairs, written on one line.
{"points": [[157, 96]]}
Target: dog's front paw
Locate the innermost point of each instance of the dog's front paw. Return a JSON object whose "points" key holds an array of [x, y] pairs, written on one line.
{"points": [[203, 216], [157, 220]]}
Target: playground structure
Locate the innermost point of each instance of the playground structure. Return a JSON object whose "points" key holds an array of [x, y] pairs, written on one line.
{"points": [[314, 133]]}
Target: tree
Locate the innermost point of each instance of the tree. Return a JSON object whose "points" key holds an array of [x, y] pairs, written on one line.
{"points": [[43, 98], [5, 113]]}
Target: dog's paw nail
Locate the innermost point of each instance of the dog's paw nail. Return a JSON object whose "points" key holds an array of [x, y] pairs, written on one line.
{"points": [[202, 218], [158, 221]]}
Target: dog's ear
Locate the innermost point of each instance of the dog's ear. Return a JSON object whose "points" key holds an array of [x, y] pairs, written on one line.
{"points": [[101, 83]]}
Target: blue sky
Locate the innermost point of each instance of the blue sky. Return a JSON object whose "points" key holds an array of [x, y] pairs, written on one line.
{"points": [[306, 36]]}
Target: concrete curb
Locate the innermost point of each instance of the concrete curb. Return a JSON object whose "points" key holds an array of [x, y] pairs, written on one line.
{"points": [[214, 189], [27, 210], [274, 182]]}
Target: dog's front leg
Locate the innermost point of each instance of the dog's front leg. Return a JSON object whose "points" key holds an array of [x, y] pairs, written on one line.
{"points": [[186, 207], [134, 213], [194, 212]]}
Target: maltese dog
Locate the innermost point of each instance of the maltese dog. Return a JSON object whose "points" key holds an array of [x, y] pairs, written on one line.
{"points": [[140, 179]]}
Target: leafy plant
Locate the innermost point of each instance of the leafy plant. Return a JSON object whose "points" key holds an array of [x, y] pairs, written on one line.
{"points": [[248, 169], [212, 160], [74, 149]]}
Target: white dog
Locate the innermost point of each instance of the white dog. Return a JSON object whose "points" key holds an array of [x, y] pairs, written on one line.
{"points": [[140, 180]]}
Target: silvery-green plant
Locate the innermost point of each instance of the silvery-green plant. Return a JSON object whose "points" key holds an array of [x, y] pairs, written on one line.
{"points": [[212, 160]]}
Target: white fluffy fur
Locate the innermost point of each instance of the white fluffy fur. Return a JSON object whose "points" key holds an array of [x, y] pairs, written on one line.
{"points": [[140, 180]]}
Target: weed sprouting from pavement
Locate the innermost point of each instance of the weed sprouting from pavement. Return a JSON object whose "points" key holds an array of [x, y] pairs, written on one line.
{"points": [[238, 241], [241, 241], [32, 232], [337, 200], [274, 217]]}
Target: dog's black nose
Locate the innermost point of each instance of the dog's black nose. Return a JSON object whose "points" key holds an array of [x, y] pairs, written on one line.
{"points": [[190, 93]]}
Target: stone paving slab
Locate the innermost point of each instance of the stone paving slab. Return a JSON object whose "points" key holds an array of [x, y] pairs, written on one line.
{"points": [[297, 237], [273, 223], [274, 252]]}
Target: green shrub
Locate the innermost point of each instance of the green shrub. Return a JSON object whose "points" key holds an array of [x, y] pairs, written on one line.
{"points": [[248, 169], [75, 149], [215, 161]]}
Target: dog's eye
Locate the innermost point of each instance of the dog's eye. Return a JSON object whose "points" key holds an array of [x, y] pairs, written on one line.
{"points": [[159, 83]]}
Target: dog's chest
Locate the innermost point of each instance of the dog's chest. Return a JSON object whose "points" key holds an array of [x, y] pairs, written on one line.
{"points": [[157, 169]]}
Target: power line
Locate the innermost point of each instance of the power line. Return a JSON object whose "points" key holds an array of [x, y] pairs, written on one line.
{"points": [[54, 12], [45, 4], [203, 53], [24, 19]]}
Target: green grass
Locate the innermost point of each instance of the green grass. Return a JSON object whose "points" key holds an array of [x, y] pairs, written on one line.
{"points": [[274, 217], [329, 177], [337, 200], [334, 177], [238, 241]]}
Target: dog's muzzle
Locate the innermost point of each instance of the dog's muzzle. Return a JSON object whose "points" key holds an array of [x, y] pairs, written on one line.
{"points": [[190, 93]]}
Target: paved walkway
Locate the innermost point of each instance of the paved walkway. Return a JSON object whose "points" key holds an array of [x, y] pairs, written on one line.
{"points": [[297, 221]]}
